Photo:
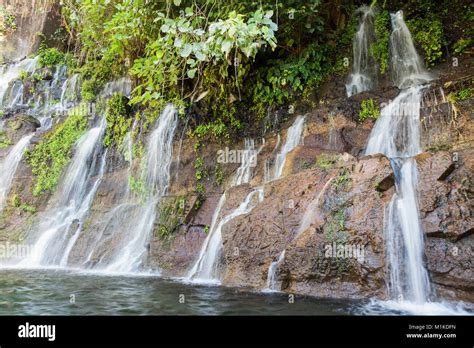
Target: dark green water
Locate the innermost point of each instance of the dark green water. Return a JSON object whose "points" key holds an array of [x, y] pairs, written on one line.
{"points": [[48, 292]]}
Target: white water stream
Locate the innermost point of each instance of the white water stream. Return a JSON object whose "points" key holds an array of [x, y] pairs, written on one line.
{"points": [[364, 68]]}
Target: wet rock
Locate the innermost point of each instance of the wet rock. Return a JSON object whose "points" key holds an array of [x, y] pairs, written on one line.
{"points": [[450, 263], [444, 194], [46, 73], [19, 126]]}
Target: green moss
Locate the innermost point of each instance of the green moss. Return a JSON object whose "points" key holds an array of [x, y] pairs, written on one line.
{"points": [[5, 141], [49, 157], [368, 109], [324, 162], [219, 174], [137, 186], [118, 120], [342, 181], [171, 216]]}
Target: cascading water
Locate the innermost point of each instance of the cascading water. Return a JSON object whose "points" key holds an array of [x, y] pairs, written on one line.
{"points": [[272, 279], [397, 135], [405, 65], [294, 138], [59, 226], [205, 269], [12, 72], [364, 68], [244, 172], [129, 255], [8, 168]]}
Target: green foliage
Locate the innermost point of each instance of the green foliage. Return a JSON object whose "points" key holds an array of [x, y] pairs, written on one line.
{"points": [[218, 174], [15, 202], [171, 216], [50, 57], [282, 79], [368, 109], [428, 33], [5, 141], [7, 22], [461, 95], [209, 51], [95, 75], [465, 94], [462, 45], [137, 186], [324, 162], [185, 47], [343, 180], [380, 48], [23, 75], [118, 120], [50, 156], [198, 167]]}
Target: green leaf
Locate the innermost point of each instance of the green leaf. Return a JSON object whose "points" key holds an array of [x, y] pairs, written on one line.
{"points": [[186, 50], [191, 73]]}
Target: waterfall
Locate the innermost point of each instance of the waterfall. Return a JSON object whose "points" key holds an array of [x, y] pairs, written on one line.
{"points": [[267, 175], [69, 91], [205, 269], [294, 137], [59, 226], [244, 172], [129, 256], [364, 68], [8, 168], [396, 134], [272, 279], [12, 72], [406, 66]]}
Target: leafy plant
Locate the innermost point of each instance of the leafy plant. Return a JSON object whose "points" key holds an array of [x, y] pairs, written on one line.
{"points": [[7, 22], [137, 186], [465, 94], [342, 180], [51, 155], [462, 45], [50, 57], [23, 75], [368, 109], [428, 33], [324, 162], [118, 120], [380, 48]]}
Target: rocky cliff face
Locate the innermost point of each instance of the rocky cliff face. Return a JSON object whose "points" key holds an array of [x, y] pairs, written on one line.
{"points": [[330, 195], [33, 18]]}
